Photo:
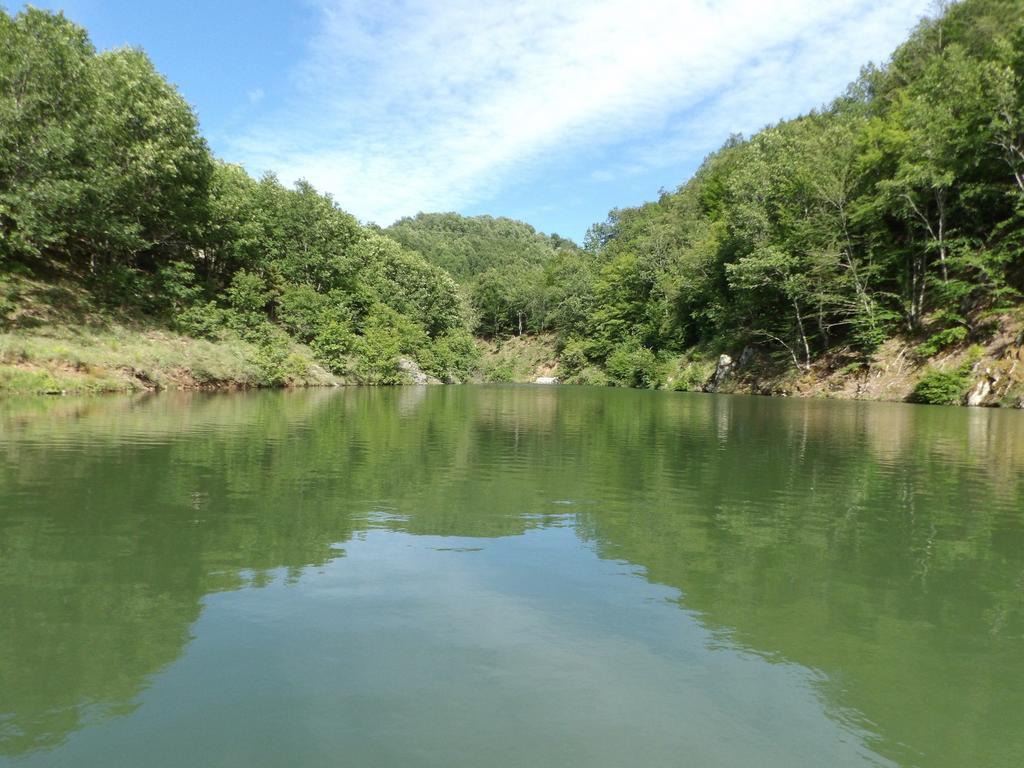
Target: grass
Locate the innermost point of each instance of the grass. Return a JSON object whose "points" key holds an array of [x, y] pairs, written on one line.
{"points": [[57, 339], [116, 358]]}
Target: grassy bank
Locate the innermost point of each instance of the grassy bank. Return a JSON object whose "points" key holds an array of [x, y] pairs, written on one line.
{"points": [[118, 358], [55, 337]]}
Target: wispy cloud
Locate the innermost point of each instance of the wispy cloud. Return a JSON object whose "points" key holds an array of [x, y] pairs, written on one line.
{"points": [[408, 105]]}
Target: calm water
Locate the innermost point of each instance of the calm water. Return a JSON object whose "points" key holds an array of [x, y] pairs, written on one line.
{"points": [[509, 576]]}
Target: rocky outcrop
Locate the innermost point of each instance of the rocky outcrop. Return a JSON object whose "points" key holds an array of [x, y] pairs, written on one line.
{"points": [[546, 380], [727, 369], [413, 372], [980, 391], [723, 372]]}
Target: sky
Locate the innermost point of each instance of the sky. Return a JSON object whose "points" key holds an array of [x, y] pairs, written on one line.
{"points": [[550, 112]]}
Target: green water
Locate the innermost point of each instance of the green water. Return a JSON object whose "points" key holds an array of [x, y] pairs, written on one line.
{"points": [[509, 576]]}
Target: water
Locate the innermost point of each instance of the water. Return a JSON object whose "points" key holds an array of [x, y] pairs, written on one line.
{"points": [[509, 576]]}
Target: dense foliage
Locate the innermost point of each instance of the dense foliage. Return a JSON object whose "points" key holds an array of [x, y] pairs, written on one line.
{"points": [[105, 178], [509, 270], [896, 210]]}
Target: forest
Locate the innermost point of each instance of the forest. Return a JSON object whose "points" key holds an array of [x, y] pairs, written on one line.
{"points": [[895, 212]]}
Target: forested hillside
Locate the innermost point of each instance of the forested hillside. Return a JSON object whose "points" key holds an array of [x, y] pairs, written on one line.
{"points": [[887, 226], [513, 275], [112, 207], [898, 211]]}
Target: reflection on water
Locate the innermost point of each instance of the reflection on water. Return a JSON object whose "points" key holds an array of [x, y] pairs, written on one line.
{"points": [[509, 576]]}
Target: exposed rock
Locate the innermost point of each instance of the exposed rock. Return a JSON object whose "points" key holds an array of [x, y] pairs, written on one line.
{"points": [[979, 392], [723, 371], [414, 373], [546, 380]]}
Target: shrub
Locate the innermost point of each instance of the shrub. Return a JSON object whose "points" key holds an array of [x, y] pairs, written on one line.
{"points": [[306, 313], [176, 286], [252, 328], [28, 382], [939, 341], [7, 308], [590, 376], [500, 371], [942, 387], [8, 300], [333, 344], [633, 365], [870, 330], [120, 285], [575, 356], [278, 363], [387, 336], [202, 321], [451, 358], [248, 298]]}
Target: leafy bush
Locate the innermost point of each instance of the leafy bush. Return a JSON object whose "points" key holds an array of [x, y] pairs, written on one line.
{"points": [[333, 344], [451, 358], [254, 328], [942, 387], [870, 331], [633, 365], [849, 369], [575, 356], [248, 293], [302, 311], [202, 321], [939, 341], [499, 371], [176, 286], [279, 364], [590, 376], [7, 307], [119, 285], [387, 336]]}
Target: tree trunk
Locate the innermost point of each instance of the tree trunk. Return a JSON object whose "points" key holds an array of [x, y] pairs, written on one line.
{"points": [[917, 286], [803, 335], [940, 200]]}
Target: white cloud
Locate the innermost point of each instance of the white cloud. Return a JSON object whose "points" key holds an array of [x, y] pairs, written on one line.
{"points": [[408, 105]]}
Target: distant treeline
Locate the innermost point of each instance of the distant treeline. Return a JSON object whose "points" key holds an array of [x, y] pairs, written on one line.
{"points": [[896, 210]]}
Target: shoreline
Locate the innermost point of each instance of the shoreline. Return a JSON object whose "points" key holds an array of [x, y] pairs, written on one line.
{"points": [[59, 359], [748, 387]]}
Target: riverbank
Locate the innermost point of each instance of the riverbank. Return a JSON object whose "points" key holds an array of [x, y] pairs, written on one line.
{"points": [[119, 358], [51, 354], [988, 373], [982, 372]]}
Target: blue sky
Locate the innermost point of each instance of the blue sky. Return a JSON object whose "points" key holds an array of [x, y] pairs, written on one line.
{"points": [[551, 112]]}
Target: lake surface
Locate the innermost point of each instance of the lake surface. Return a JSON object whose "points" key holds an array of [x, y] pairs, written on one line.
{"points": [[509, 576]]}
